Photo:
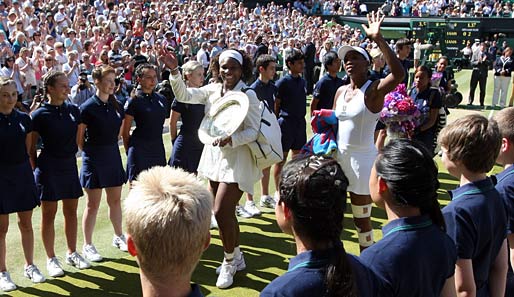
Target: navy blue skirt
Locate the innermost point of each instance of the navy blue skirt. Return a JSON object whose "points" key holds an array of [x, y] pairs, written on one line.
{"points": [[57, 178], [144, 155], [186, 153], [102, 167], [17, 188]]}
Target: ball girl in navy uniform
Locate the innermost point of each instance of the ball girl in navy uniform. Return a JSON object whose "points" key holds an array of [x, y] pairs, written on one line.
{"points": [[17, 187], [56, 173], [311, 207], [429, 102], [187, 148], [101, 119], [415, 256], [144, 147]]}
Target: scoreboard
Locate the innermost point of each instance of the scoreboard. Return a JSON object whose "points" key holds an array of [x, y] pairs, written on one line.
{"points": [[454, 32]]}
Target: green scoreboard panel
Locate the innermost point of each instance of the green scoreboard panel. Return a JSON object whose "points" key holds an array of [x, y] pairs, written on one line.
{"points": [[454, 32]]}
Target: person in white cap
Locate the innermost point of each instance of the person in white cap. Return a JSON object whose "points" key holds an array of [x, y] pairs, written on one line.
{"points": [[357, 107], [226, 162]]}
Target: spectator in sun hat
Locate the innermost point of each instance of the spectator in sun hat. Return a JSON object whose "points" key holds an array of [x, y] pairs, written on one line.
{"points": [[72, 68], [27, 14], [71, 43], [33, 27], [61, 18]]}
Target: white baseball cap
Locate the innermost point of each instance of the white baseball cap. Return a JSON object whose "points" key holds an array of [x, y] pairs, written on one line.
{"points": [[347, 48]]}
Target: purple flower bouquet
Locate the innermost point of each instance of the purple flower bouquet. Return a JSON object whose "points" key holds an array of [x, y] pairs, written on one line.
{"points": [[400, 115]]}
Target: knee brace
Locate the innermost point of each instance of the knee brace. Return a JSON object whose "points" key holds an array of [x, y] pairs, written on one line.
{"points": [[365, 238], [361, 211]]}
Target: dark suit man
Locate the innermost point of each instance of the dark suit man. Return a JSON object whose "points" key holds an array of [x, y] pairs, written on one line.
{"points": [[309, 52], [480, 61]]}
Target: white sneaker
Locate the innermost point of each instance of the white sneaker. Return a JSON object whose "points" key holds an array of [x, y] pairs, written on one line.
{"points": [[120, 242], [239, 262], [226, 277], [267, 201], [33, 273], [75, 259], [91, 254], [241, 212], [251, 208], [6, 283], [214, 223], [53, 267]]}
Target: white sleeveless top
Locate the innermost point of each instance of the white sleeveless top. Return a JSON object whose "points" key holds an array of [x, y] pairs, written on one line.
{"points": [[356, 123]]}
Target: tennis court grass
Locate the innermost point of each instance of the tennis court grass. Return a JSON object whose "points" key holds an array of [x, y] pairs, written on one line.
{"points": [[266, 249]]}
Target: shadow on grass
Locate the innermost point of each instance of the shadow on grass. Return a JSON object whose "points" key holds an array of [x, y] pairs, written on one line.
{"points": [[465, 105], [271, 249], [121, 284]]}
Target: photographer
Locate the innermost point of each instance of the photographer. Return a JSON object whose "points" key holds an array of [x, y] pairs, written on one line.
{"points": [[121, 92], [82, 91]]}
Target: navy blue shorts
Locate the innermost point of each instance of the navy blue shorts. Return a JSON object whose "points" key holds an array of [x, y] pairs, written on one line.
{"points": [[294, 135]]}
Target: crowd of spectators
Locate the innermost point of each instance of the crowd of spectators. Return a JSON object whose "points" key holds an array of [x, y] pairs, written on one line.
{"points": [[411, 8], [76, 35]]}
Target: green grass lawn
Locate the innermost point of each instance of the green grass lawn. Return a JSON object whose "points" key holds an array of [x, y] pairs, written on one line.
{"points": [[266, 249]]}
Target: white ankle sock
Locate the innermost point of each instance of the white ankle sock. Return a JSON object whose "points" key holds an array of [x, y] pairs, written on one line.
{"points": [[229, 256]]}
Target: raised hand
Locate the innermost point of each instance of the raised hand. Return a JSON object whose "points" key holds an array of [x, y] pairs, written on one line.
{"points": [[375, 19], [168, 58]]}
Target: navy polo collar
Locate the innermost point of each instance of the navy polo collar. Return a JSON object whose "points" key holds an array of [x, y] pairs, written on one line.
{"points": [[504, 174], [10, 116], [406, 224], [481, 186], [313, 259], [99, 101], [331, 77], [142, 94], [53, 107], [261, 83]]}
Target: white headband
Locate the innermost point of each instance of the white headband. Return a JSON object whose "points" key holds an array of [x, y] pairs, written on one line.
{"points": [[232, 54]]}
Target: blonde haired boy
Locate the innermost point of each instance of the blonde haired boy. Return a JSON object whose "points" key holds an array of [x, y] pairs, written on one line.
{"points": [[168, 216]]}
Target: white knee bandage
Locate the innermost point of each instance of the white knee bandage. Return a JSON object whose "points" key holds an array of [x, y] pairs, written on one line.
{"points": [[361, 211], [365, 238]]}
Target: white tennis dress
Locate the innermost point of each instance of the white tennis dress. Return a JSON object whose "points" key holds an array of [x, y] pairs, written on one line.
{"points": [[355, 142], [231, 163]]}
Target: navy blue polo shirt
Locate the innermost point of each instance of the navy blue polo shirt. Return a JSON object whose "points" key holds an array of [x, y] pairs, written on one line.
{"points": [[505, 186], [14, 128], [149, 112], [103, 121], [306, 276], [191, 114], [293, 97], [57, 126], [406, 241], [265, 91], [325, 91], [195, 291], [406, 65], [477, 223]]}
